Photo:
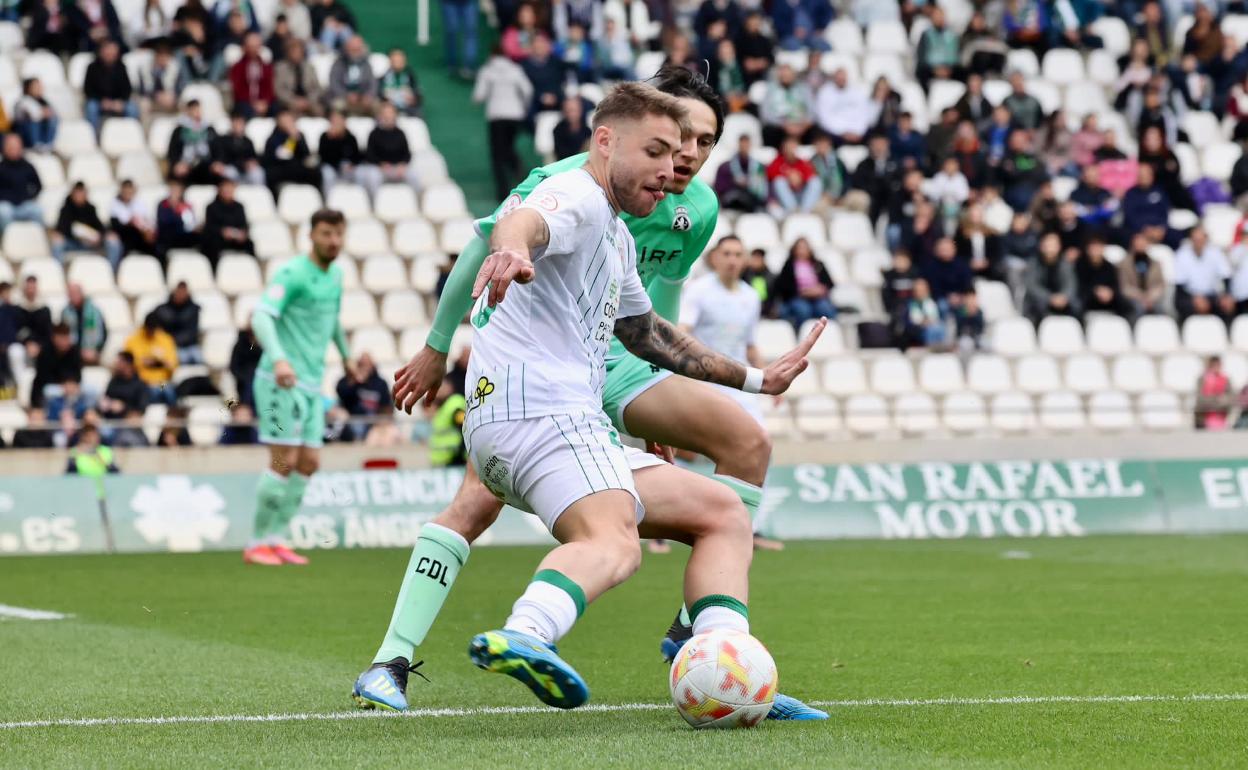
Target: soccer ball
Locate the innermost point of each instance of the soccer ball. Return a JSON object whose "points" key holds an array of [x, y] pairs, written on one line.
{"points": [[723, 679]]}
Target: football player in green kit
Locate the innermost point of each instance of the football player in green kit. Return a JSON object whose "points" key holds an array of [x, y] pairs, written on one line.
{"points": [[643, 400]]}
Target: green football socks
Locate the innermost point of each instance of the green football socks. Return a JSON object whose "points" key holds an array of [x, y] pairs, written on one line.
{"points": [[436, 560], [271, 495]]}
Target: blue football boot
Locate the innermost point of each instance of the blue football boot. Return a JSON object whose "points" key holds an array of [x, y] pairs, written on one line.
{"points": [[535, 663], [384, 685]]}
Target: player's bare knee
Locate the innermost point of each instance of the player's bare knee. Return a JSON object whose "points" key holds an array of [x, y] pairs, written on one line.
{"points": [[745, 450], [308, 465], [622, 556]]}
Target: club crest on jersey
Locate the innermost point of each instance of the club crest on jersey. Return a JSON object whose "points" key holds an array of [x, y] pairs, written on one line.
{"points": [[511, 204], [681, 222]]}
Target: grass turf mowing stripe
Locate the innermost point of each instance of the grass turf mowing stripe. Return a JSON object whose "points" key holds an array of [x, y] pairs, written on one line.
{"points": [[25, 613], [335, 716]]}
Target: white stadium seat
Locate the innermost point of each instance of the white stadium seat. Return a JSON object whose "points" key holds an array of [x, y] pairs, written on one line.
{"points": [[395, 203], [272, 240], [351, 199], [442, 202], [192, 267], [1013, 412], [964, 413], [851, 231], [257, 200], [1013, 337], [830, 343], [139, 274], [758, 231], [141, 168], [119, 136], [989, 374], [1062, 66], [296, 202], [1037, 373], [414, 236], [844, 377], [358, 310], [412, 341], [1156, 335], [1111, 411], [1086, 374], [401, 309], [1180, 372], [90, 168], [214, 311], [892, 375], [1160, 410], [243, 307], [774, 338], [1204, 335], [116, 311], [1134, 373], [818, 416], [456, 235], [867, 414], [24, 240], [1109, 335], [425, 271], [1061, 411], [366, 236], [93, 272], [383, 273], [808, 226], [217, 347], [377, 341], [238, 274], [49, 272], [941, 374], [1239, 333], [915, 413], [1217, 160], [1060, 336]]}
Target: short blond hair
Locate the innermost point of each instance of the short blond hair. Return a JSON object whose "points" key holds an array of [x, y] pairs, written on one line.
{"points": [[634, 101]]}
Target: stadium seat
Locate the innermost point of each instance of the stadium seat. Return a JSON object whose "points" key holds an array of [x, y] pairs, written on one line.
{"points": [[116, 311], [25, 240], [214, 311], [141, 168], [1013, 412], [12, 40], [49, 272], [851, 231], [366, 236], [1022, 60], [412, 341], [758, 231], [146, 303], [648, 63], [1082, 99], [1061, 412], [204, 424], [1235, 366], [989, 374], [1239, 333], [851, 155], [238, 273], [1062, 66], [90, 168], [350, 272], [808, 226], [456, 235], [1159, 410], [834, 261], [868, 266], [1109, 335], [1102, 68], [1222, 224], [964, 413], [915, 414], [1189, 162], [1114, 34], [426, 269], [395, 203], [1180, 372], [93, 272], [217, 346], [358, 310], [192, 267], [1204, 335], [417, 133], [942, 94], [1060, 336], [1048, 94], [818, 416], [12, 419], [844, 377], [1111, 411], [377, 341], [414, 236], [361, 126], [46, 66], [296, 202], [1156, 335], [159, 133], [892, 375], [887, 36], [995, 300], [1037, 373], [1202, 128], [845, 37], [402, 308], [383, 273], [1217, 160], [777, 417], [544, 133], [442, 202], [941, 374], [1086, 374], [430, 167], [244, 305], [257, 200], [199, 196], [866, 414], [774, 338], [51, 172], [351, 199], [139, 274], [831, 343], [272, 240], [119, 136], [312, 129], [1013, 337]]}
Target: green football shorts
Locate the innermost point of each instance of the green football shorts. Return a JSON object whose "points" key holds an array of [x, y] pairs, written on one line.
{"points": [[627, 378], [288, 416]]}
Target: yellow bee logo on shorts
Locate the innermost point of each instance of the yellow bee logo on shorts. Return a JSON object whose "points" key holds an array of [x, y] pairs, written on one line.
{"points": [[477, 396]]}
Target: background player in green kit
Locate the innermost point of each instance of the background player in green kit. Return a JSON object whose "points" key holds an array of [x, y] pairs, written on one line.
{"points": [[641, 399], [294, 322]]}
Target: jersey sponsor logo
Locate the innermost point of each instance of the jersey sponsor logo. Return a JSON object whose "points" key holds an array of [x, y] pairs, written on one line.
{"points": [[658, 255], [478, 395], [494, 476], [545, 201], [681, 222]]}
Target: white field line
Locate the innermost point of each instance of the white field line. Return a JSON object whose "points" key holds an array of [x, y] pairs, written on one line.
{"points": [[339, 716], [24, 613]]}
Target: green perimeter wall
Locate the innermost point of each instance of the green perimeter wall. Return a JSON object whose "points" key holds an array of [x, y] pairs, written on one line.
{"points": [[366, 509]]}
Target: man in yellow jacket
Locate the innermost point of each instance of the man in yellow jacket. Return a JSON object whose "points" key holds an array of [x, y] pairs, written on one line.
{"points": [[155, 357]]}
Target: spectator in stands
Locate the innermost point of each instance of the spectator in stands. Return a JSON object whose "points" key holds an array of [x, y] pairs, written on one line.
{"points": [[94, 22], [576, 54], [190, 147], [332, 23], [1098, 282], [150, 27], [106, 89], [1204, 38], [923, 325], [996, 136], [756, 49], [800, 24], [761, 279], [938, 54], [295, 84], [788, 108], [156, 357], [363, 393], [843, 110], [35, 319], [388, 158], [12, 352], [244, 359], [794, 184], [339, 152], [192, 52], [352, 85], [973, 105], [39, 433], [877, 175], [832, 175], [948, 276], [399, 87], [278, 40], [232, 34], [1052, 287], [905, 144], [1086, 141], [1025, 110], [1140, 280], [1153, 112], [55, 363], [34, 118], [968, 151], [803, 287], [727, 77], [616, 55], [179, 316], [1021, 172], [176, 224], [1154, 152], [741, 181], [1201, 272], [1146, 207], [1213, 397], [160, 82], [982, 49], [78, 228], [506, 92], [1093, 204], [87, 330], [225, 227], [125, 398], [572, 132], [174, 433], [131, 220], [948, 189], [969, 324], [287, 158], [545, 75], [1239, 179], [234, 154], [1054, 142], [1073, 232], [517, 40], [19, 186], [50, 29], [241, 429], [71, 403], [883, 106], [251, 79], [979, 245], [905, 204]]}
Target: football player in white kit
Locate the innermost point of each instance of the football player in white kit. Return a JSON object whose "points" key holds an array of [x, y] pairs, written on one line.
{"points": [[536, 431]]}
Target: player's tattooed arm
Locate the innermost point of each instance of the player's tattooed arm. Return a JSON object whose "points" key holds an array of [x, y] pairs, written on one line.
{"points": [[651, 338]]}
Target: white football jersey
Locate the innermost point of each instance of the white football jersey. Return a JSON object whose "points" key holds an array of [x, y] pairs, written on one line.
{"points": [[724, 320], [541, 350]]}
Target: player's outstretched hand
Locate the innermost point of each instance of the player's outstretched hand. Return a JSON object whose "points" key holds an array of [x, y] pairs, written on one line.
{"points": [[780, 374], [499, 270], [419, 379]]}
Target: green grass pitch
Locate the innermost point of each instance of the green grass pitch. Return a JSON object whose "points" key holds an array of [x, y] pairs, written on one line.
{"points": [[866, 626]]}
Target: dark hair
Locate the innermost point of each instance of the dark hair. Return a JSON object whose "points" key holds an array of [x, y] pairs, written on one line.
{"points": [[61, 328], [727, 238], [192, 103], [331, 217], [5, 286], [152, 320], [685, 84], [27, 83], [126, 356]]}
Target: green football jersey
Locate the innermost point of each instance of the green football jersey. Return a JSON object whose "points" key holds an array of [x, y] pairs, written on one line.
{"points": [[669, 241], [304, 300]]}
